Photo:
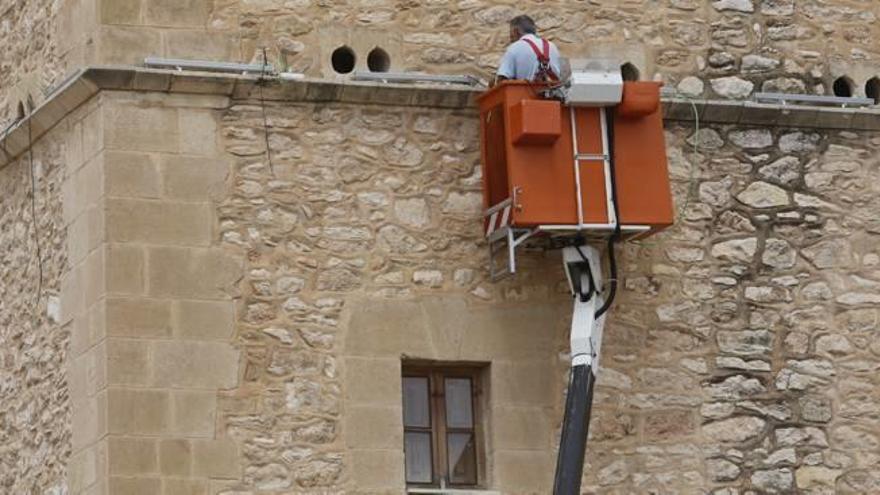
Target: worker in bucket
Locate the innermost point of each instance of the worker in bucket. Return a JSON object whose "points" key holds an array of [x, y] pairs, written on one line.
{"points": [[529, 57]]}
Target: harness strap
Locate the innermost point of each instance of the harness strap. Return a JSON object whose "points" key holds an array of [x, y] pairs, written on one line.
{"points": [[543, 55], [543, 59]]}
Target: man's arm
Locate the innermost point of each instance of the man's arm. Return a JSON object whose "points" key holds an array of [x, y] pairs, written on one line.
{"points": [[507, 67]]}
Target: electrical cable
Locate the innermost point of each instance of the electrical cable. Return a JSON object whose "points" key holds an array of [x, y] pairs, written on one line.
{"points": [[34, 220], [612, 261], [261, 82], [687, 197], [692, 169]]}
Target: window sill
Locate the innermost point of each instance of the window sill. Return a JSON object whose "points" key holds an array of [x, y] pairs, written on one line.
{"points": [[450, 491]]}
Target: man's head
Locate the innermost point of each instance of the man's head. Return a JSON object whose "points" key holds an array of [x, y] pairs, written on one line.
{"points": [[520, 26]]}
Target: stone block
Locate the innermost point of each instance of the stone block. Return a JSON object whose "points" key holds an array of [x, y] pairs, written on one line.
{"points": [[124, 270], [522, 428], [524, 471], [760, 113], [72, 294], [134, 128], [134, 486], [127, 45], [198, 131], [524, 383], [206, 365], [87, 329], [175, 486], [866, 119], [189, 178], [193, 414], [86, 421], [216, 459], [71, 207], [159, 222], [177, 13], [78, 239], [204, 320], [137, 412], [93, 277], [76, 20], [168, 100], [138, 317], [175, 457], [372, 381], [132, 456], [93, 139], [152, 80], [370, 427], [834, 118], [73, 151], [378, 470], [83, 469], [507, 333], [131, 175], [663, 425], [96, 226], [387, 328], [199, 44], [90, 183], [128, 362], [192, 273], [728, 112], [120, 11], [204, 84]]}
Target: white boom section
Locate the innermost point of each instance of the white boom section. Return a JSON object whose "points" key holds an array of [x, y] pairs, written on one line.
{"points": [[586, 329]]}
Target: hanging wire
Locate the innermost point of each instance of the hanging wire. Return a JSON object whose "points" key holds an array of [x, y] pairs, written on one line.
{"points": [[693, 167], [693, 162], [261, 82], [34, 220]]}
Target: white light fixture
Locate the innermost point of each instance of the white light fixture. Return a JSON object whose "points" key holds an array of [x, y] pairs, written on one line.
{"points": [[208, 66], [415, 77], [785, 98]]}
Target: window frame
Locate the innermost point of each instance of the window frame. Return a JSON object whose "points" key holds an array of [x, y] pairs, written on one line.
{"points": [[437, 375]]}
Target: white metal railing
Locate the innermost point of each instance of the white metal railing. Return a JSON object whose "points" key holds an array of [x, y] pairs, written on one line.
{"points": [[785, 98]]}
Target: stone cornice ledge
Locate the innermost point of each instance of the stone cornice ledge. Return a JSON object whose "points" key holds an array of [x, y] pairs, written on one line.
{"points": [[87, 82]]}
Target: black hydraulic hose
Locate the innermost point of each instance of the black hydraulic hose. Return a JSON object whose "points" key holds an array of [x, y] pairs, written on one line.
{"points": [[612, 262], [612, 288], [575, 429]]}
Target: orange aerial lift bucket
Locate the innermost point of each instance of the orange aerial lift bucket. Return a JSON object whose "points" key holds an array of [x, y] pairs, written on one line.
{"points": [[579, 162], [546, 165]]}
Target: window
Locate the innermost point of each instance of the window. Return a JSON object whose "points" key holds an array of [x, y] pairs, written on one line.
{"points": [[442, 431]]}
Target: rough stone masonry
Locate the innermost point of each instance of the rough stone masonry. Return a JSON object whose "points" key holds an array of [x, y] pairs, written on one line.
{"points": [[216, 318]]}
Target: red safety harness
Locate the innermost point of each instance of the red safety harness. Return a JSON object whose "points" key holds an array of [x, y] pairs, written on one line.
{"points": [[545, 71]]}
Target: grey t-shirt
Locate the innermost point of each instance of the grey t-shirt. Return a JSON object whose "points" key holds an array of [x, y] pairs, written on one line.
{"points": [[520, 61]]}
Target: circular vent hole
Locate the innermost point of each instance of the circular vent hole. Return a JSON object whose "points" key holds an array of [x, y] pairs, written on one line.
{"points": [[629, 72], [843, 86], [343, 60], [378, 60], [872, 89]]}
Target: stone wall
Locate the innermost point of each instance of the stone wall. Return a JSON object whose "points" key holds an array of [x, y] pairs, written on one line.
{"points": [[735, 47], [726, 48], [742, 347], [364, 246], [30, 61], [34, 397]]}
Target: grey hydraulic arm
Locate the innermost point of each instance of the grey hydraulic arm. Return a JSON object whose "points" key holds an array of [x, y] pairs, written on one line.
{"points": [[584, 272]]}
